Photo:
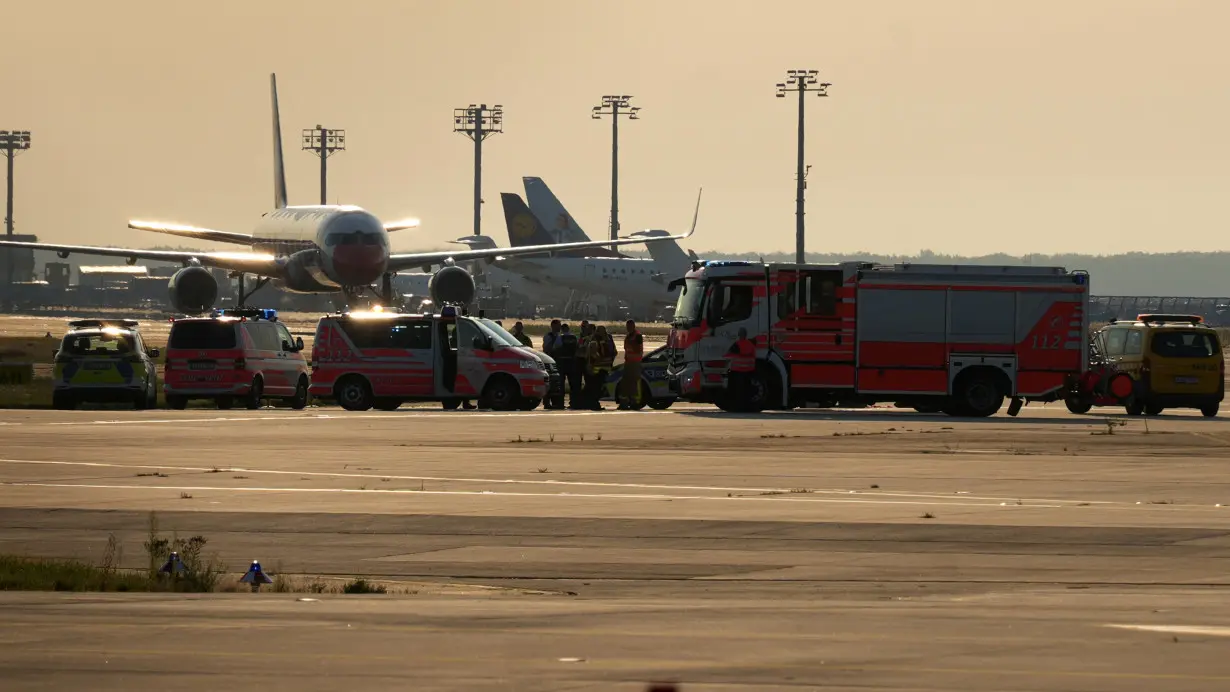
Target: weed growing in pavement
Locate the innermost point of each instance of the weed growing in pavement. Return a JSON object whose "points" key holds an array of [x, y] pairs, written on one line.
{"points": [[154, 474], [544, 470], [361, 585], [185, 496], [928, 515], [1111, 424]]}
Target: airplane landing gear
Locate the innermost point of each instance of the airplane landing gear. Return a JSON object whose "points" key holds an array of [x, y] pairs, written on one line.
{"points": [[241, 297]]}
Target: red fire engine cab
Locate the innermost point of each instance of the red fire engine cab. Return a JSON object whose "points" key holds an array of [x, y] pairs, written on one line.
{"points": [[951, 338]]}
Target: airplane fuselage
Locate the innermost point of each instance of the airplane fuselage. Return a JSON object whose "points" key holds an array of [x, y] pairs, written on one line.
{"points": [[630, 279], [323, 249]]}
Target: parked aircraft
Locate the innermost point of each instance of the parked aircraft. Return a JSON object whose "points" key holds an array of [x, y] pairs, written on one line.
{"points": [[640, 282], [306, 249]]}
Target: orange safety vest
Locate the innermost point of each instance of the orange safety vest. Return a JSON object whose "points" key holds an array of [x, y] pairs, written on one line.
{"points": [[743, 356], [634, 348]]}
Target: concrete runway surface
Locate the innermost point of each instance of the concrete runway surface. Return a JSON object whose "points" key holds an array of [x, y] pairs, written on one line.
{"points": [[873, 549]]}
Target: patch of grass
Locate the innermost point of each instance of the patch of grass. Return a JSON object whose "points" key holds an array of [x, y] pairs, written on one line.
{"points": [[361, 585], [32, 574], [799, 491], [928, 515], [526, 440], [544, 470], [185, 496], [772, 436]]}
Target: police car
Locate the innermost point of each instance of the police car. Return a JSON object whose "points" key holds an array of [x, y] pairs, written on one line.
{"points": [[655, 386], [104, 361]]}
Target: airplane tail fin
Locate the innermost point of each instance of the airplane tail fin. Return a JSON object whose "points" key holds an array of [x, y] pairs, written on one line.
{"points": [[279, 172], [670, 258], [523, 227], [551, 212]]}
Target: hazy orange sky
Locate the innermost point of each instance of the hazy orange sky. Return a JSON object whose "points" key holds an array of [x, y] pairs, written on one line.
{"points": [[960, 126]]}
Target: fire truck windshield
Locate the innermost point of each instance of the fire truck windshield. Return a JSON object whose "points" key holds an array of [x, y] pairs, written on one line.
{"points": [[691, 299]]}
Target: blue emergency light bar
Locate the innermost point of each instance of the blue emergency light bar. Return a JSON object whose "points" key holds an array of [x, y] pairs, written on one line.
{"points": [[448, 311], [269, 314]]}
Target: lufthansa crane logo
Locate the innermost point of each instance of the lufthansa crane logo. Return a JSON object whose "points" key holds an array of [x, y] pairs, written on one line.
{"points": [[523, 226]]}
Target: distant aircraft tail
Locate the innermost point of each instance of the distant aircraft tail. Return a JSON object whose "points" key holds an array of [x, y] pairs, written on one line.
{"points": [[523, 227], [667, 255], [551, 212], [279, 172]]}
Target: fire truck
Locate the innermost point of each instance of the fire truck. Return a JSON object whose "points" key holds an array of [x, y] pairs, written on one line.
{"points": [[953, 338]]}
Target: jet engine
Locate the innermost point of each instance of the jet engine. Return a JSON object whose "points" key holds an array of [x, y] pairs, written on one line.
{"points": [[193, 290], [451, 286]]}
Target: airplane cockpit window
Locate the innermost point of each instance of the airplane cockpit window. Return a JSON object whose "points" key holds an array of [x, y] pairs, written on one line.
{"points": [[354, 238]]}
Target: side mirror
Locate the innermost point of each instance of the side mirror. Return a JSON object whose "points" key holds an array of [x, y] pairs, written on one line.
{"points": [[153, 353], [298, 343], [480, 343]]}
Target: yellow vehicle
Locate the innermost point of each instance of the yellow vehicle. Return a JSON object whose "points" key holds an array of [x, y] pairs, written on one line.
{"points": [[1175, 361]]}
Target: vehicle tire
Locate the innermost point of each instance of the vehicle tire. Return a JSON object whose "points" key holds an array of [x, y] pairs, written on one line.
{"points": [[979, 396], [1134, 407], [225, 402], [257, 391], [179, 403], [1153, 410], [501, 394], [928, 409], [450, 404], [301, 398], [354, 393], [528, 404], [660, 404], [386, 404], [759, 393], [140, 401], [1210, 410], [1078, 404], [63, 401]]}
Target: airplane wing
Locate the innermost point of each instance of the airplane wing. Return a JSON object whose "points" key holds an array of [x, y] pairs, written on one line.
{"points": [[250, 262], [426, 260], [402, 225], [192, 232]]}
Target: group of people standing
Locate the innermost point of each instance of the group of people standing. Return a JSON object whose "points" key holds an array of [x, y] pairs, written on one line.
{"points": [[586, 359]]}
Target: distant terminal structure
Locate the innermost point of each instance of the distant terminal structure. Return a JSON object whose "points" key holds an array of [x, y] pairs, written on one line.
{"points": [[1214, 310]]}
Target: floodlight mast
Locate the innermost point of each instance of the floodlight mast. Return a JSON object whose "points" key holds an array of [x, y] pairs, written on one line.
{"points": [[12, 143], [324, 142], [478, 122], [615, 106], [802, 81]]}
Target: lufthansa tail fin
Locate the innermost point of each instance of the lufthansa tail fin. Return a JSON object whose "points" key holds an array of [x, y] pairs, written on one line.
{"points": [[523, 227], [551, 212], [279, 173]]}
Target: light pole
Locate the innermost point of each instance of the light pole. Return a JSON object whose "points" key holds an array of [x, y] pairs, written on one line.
{"points": [[12, 143], [615, 106], [478, 123], [801, 81], [324, 142]]}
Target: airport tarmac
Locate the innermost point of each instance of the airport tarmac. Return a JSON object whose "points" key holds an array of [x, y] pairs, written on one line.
{"points": [[869, 549]]}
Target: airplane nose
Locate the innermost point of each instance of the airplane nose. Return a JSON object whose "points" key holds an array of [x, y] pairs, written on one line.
{"points": [[359, 265]]}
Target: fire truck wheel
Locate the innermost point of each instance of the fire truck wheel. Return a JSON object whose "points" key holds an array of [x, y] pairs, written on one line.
{"points": [[1078, 404], [501, 394], [353, 393], [980, 396], [384, 404]]}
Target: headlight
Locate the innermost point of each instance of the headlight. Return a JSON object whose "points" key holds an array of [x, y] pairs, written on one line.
{"points": [[532, 365]]}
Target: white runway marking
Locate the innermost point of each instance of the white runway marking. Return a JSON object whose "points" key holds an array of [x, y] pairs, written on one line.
{"points": [[1208, 630], [491, 493], [597, 484]]}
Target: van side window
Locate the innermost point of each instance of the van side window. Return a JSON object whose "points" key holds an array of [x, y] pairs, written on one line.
{"points": [[264, 336], [284, 335], [1134, 346], [1114, 341], [412, 335]]}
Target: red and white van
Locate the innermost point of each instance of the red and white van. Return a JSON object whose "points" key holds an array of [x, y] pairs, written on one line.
{"points": [[242, 353], [382, 359]]}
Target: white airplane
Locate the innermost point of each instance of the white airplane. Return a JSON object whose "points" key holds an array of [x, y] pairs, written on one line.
{"points": [[640, 282], [306, 249]]}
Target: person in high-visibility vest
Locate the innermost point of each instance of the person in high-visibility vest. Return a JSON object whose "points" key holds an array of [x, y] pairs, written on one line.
{"points": [[742, 363], [599, 358], [630, 381]]}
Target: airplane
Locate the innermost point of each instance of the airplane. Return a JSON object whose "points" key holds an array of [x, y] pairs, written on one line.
{"points": [[307, 249], [640, 282], [563, 227], [558, 222]]}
